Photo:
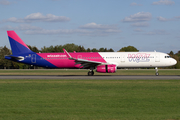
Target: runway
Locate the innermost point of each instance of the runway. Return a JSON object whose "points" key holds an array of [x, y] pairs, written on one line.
{"points": [[95, 77]]}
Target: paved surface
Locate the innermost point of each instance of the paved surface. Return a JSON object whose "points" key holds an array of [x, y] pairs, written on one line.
{"points": [[114, 77]]}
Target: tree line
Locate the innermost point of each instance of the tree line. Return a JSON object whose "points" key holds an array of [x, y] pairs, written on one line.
{"points": [[69, 47], [7, 64]]}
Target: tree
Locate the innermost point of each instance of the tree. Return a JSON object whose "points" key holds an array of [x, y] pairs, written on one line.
{"points": [[110, 50], [88, 50], [94, 50], [3, 62], [80, 49], [105, 50], [70, 47], [101, 49], [171, 53], [55, 49], [33, 48], [128, 49]]}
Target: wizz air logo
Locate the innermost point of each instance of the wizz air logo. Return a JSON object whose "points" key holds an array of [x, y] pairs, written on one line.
{"points": [[139, 57]]}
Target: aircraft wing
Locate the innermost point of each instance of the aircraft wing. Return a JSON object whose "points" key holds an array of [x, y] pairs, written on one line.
{"points": [[84, 63]]}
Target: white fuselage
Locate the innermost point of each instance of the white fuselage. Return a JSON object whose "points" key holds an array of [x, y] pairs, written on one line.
{"points": [[138, 59]]}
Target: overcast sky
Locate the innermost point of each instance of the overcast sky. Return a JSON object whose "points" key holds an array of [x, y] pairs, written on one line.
{"points": [[147, 25]]}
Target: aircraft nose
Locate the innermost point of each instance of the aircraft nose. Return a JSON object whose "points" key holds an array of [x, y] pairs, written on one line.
{"points": [[173, 61]]}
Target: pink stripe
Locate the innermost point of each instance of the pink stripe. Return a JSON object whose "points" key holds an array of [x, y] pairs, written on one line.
{"points": [[64, 62], [14, 36]]}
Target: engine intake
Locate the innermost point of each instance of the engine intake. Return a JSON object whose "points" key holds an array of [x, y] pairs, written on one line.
{"points": [[106, 68]]}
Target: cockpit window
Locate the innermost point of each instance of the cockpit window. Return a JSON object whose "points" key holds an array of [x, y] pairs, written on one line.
{"points": [[167, 56]]}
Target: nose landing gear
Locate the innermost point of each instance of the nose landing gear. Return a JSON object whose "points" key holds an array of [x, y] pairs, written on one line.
{"points": [[156, 71]]}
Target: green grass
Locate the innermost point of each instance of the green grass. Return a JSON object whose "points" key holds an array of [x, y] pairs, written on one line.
{"points": [[84, 72], [90, 99]]}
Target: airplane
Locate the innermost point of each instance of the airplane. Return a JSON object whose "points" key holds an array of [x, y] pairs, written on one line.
{"points": [[103, 62]]}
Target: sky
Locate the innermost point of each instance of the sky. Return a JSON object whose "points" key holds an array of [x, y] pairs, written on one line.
{"points": [[147, 25]]}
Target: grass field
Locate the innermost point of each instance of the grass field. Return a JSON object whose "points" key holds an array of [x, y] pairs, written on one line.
{"points": [[90, 99], [84, 72]]}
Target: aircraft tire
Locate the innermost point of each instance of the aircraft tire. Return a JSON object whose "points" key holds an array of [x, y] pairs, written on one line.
{"points": [[157, 74], [90, 73]]}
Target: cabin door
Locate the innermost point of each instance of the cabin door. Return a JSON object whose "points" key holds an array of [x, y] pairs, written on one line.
{"points": [[122, 58], [157, 58]]}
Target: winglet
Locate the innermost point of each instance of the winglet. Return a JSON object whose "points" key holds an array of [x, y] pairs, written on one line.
{"points": [[67, 54]]}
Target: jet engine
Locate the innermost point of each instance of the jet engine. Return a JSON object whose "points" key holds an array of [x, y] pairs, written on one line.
{"points": [[106, 68]]}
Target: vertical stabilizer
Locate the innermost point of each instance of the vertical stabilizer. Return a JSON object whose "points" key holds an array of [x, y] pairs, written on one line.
{"points": [[18, 47]]}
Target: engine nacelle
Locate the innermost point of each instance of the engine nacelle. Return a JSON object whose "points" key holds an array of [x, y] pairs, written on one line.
{"points": [[106, 68]]}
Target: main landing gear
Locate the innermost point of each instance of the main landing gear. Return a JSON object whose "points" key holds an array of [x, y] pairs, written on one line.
{"points": [[156, 71], [91, 73]]}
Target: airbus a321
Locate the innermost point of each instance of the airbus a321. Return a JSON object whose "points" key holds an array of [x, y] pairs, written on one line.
{"points": [[103, 62]]}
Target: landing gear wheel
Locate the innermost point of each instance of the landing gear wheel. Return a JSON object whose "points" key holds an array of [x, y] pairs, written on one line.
{"points": [[157, 74], [90, 73], [156, 71]]}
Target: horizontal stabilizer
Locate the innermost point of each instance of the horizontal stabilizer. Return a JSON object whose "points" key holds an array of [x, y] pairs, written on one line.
{"points": [[14, 57]]}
